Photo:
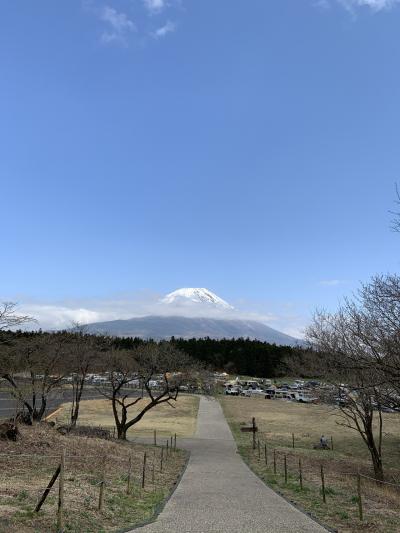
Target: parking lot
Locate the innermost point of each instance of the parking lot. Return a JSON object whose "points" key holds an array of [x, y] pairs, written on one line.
{"points": [[8, 404]]}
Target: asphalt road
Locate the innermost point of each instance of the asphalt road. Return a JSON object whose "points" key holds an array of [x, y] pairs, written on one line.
{"points": [[8, 403], [218, 493]]}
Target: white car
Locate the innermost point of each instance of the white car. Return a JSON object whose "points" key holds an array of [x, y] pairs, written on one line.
{"points": [[232, 391], [253, 392], [257, 392], [306, 399]]}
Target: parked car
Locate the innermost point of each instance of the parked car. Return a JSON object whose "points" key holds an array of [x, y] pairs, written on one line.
{"points": [[306, 399], [282, 394], [232, 391], [256, 392]]}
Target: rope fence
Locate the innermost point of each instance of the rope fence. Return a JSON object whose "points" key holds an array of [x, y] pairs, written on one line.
{"points": [[302, 473], [66, 481]]}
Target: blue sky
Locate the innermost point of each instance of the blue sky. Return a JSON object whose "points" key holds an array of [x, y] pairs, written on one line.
{"points": [[250, 147]]}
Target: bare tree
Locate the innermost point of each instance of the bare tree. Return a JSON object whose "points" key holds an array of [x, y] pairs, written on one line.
{"points": [[34, 365], [9, 318], [343, 360], [147, 364], [358, 409], [379, 308], [84, 356], [396, 214]]}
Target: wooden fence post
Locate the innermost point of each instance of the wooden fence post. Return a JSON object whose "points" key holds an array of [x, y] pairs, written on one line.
{"points": [[274, 461], [293, 440], [253, 421], [48, 488], [144, 470], [60, 507], [285, 466], [331, 443], [167, 450], [128, 484], [102, 485], [259, 449], [155, 437], [300, 475], [360, 507], [161, 458], [323, 484], [175, 442], [265, 454]]}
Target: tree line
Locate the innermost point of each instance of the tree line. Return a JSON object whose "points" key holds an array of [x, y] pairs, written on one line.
{"points": [[235, 356], [35, 364]]}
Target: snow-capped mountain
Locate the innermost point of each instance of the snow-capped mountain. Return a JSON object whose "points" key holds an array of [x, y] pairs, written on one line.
{"points": [[195, 295], [165, 327], [193, 312]]}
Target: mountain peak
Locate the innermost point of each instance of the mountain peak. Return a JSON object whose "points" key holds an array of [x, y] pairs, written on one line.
{"points": [[195, 295]]}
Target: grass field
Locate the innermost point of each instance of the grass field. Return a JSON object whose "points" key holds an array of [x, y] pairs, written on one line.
{"points": [[180, 419], [28, 465], [278, 420]]}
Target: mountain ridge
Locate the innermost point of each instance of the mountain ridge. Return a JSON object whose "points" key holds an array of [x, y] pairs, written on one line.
{"points": [[165, 327]]}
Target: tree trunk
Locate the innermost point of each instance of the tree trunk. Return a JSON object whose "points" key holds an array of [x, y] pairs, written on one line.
{"points": [[121, 432], [77, 402], [377, 464], [74, 416], [375, 455], [122, 426], [39, 413]]}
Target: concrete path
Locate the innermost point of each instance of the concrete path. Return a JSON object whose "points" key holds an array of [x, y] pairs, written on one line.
{"points": [[218, 493]]}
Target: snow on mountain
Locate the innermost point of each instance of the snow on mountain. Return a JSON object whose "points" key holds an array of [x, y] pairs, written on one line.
{"points": [[195, 295], [192, 312]]}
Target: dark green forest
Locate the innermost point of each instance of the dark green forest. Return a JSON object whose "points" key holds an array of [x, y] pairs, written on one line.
{"points": [[241, 356], [236, 356]]}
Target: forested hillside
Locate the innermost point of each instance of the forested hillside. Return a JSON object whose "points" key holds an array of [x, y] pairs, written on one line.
{"points": [[236, 356], [241, 356]]}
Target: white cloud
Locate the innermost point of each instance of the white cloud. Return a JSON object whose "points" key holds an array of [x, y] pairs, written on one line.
{"points": [[352, 5], [322, 4], [50, 316], [119, 26], [59, 315], [332, 282], [168, 27], [154, 6], [375, 5]]}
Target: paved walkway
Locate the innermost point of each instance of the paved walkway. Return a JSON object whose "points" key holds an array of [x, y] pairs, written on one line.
{"points": [[218, 493]]}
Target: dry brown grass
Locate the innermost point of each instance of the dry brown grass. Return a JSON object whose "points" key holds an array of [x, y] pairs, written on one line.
{"points": [[277, 420], [180, 419], [27, 466]]}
